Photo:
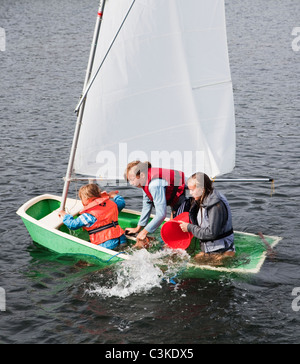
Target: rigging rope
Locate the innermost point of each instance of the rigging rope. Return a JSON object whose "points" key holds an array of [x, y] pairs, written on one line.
{"points": [[99, 68]]}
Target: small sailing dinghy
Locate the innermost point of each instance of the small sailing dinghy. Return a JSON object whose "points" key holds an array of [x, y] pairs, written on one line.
{"points": [[158, 87]]}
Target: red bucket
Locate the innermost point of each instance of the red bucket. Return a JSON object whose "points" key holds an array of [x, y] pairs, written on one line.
{"points": [[172, 234]]}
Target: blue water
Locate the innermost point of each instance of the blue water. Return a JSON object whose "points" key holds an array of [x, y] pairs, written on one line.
{"points": [[52, 299]]}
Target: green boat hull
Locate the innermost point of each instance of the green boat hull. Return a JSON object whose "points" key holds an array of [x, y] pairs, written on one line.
{"points": [[55, 237], [40, 216]]}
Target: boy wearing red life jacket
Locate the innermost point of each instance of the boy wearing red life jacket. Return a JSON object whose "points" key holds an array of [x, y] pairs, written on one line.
{"points": [[99, 216]]}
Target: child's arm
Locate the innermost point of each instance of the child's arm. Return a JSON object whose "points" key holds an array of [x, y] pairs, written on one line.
{"points": [[74, 224], [119, 200]]}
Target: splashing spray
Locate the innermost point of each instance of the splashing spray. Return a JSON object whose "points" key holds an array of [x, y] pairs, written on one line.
{"points": [[142, 273]]}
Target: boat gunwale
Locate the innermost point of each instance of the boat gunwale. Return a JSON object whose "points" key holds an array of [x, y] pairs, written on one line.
{"points": [[23, 214]]}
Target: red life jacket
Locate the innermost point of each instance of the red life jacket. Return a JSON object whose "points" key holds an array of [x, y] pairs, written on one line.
{"points": [[106, 227], [175, 180]]}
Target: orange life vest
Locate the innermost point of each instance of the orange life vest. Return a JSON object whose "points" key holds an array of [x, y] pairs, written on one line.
{"points": [[106, 227]]}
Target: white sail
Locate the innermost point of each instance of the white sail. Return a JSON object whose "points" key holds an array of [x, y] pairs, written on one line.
{"points": [[164, 93]]}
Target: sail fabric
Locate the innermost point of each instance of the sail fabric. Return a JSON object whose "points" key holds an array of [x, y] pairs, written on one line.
{"points": [[164, 93]]}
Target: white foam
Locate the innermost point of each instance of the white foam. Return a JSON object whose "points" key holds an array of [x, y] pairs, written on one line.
{"points": [[142, 273]]}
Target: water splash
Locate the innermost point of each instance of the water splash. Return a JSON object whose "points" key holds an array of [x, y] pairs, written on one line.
{"points": [[143, 272]]}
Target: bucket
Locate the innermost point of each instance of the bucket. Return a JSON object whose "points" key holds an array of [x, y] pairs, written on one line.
{"points": [[172, 234]]}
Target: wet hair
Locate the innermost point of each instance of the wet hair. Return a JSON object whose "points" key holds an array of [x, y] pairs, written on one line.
{"points": [[89, 191], [137, 167]]}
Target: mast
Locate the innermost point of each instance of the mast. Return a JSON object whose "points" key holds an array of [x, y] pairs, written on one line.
{"points": [[80, 112]]}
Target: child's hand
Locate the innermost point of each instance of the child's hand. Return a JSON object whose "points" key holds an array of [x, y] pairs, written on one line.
{"points": [[62, 214], [113, 194]]}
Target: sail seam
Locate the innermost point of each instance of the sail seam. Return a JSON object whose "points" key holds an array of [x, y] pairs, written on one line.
{"points": [[212, 84]]}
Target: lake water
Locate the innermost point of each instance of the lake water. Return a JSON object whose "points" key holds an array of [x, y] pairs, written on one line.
{"points": [[50, 299]]}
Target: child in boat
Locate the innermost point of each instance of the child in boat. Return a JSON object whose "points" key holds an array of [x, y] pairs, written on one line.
{"points": [[211, 219], [99, 216]]}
